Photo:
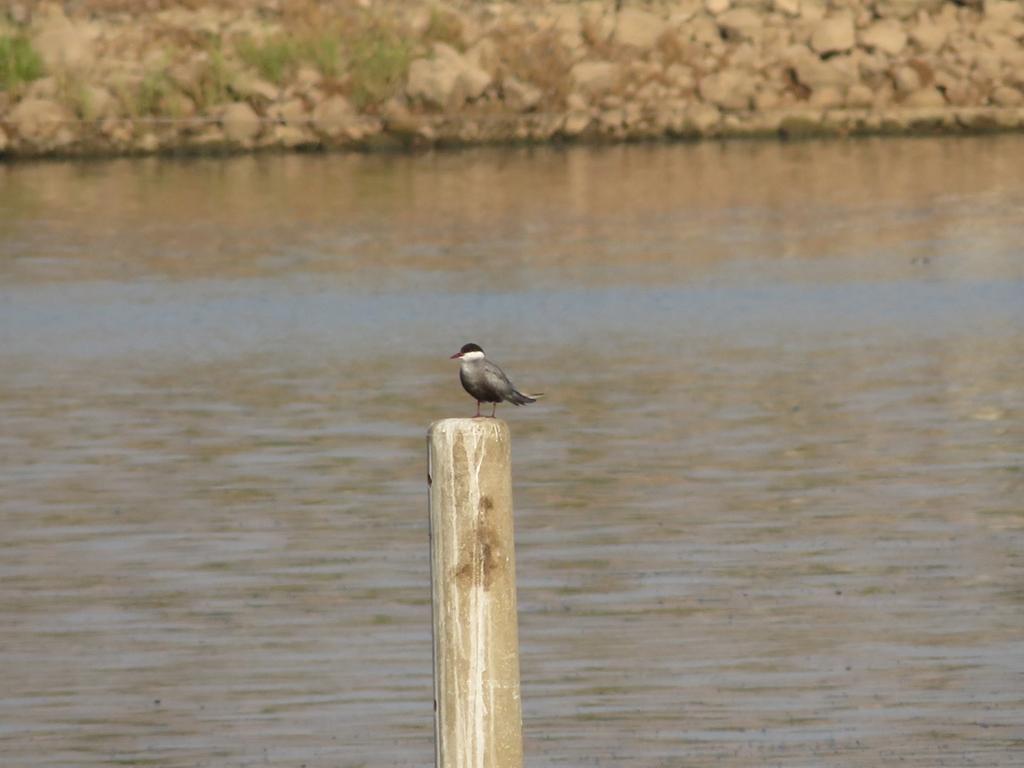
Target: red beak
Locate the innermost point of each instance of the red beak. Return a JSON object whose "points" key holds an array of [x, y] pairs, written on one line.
{"points": [[456, 356]]}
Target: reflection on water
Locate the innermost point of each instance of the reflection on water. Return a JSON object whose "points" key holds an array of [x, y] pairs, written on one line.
{"points": [[770, 512]]}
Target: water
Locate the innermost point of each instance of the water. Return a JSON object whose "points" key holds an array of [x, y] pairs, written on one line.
{"points": [[771, 511]]}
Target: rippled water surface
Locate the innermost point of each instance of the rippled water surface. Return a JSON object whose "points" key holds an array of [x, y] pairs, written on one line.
{"points": [[771, 511]]}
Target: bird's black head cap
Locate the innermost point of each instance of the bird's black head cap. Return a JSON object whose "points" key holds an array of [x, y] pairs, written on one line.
{"points": [[471, 347]]}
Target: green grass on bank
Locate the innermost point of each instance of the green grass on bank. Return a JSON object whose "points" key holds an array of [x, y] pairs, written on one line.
{"points": [[368, 58], [379, 59], [19, 62], [276, 59]]}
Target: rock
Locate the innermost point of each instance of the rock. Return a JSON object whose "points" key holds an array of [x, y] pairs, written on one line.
{"points": [[803, 123], [240, 123], [746, 56], [576, 123], [597, 24], [446, 80], [925, 97], [97, 102], [61, 43], [1005, 96], [291, 136], [884, 96], [399, 120], [632, 115], [668, 117], [957, 91], [332, 116], [118, 132], [210, 136], [815, 73], [704, 32], [292, 111], [484, 55], [959, 49], [1002, 10], [764, 124], [651, 94], [639, 71], [638, 28], [833, 35], [727, 89], [595, 78], [576, 103], [970, 117], [38, 121], [732, 125], [914, 118], [683, 12], [254, 89], [872, 66], [703, 117], [364, 127], [859, 96], [787, 7], [433, 82], [148, 143], [928, 36], [470, 80], [871, 122], [680, 77], [1010, 118], [812, 11], [741, 23], [843, 121], [885, 36], [307, 79], [828, 97], [565, 19], [611, 121], [1008, 49], [766, 101], [906, 80], [715, 7], [520, 96], [474, 81], [987, 67]]}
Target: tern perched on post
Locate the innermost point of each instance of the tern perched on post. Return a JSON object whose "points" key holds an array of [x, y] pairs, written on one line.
{"points": [[485, 381]]}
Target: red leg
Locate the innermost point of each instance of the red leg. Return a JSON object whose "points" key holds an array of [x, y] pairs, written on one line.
{"points": [[477, 410]]}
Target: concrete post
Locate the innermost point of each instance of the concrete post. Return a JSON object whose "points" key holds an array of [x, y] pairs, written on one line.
{"points": [[478, 717]]}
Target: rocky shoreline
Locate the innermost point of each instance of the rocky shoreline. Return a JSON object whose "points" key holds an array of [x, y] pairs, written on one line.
{"points": [[93, 78]]}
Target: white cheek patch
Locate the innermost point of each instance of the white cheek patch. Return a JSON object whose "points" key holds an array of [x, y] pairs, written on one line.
{"points": [[474, 355]]}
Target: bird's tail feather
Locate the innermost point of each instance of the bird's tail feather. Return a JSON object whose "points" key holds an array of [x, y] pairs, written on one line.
{"points": [[518, 398]]}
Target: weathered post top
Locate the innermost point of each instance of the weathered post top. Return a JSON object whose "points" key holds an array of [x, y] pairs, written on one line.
{"points": [[471, 437], [478, 721]]}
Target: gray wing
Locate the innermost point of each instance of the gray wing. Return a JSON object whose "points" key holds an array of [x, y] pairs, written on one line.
{"points": [[496, 381]]}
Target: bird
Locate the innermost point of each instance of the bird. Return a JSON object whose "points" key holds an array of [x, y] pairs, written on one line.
{"points": [[485, 381]]}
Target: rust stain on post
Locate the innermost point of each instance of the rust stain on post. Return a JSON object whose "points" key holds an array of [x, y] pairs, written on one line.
{"points": [[478, 721]]}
